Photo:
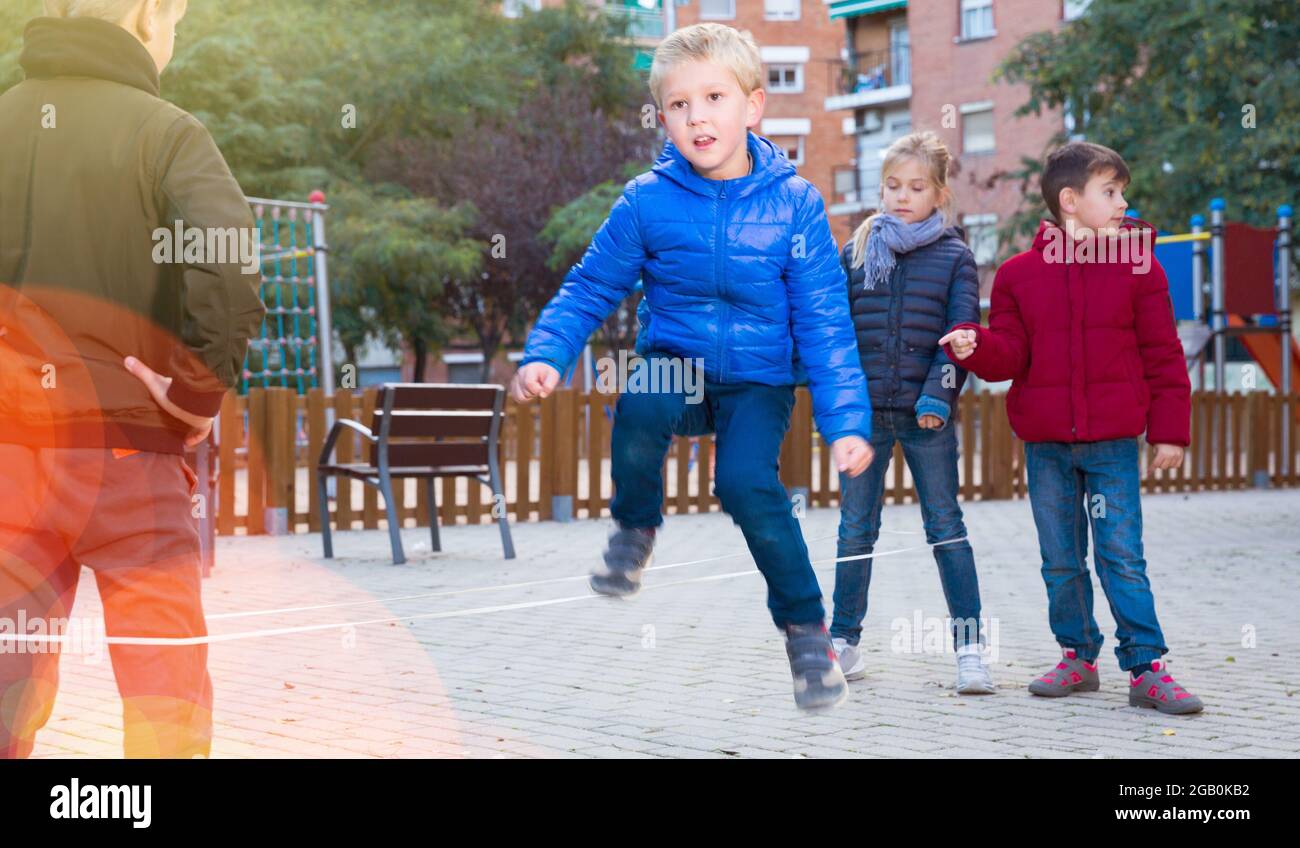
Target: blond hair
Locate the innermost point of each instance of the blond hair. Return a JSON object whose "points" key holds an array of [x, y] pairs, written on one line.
{"points": [[928, 149], [112, 11], [710, 42]]}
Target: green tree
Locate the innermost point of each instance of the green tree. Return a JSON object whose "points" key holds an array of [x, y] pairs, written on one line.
{"points": [[572, 121], [569, 232], [396, 256], [1201, 97]]}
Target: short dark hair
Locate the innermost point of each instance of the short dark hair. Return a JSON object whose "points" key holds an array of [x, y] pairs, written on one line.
{"points": [[1073, 165]]}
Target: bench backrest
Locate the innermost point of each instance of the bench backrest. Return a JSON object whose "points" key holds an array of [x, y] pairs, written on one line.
{"points": [[406, 413]]}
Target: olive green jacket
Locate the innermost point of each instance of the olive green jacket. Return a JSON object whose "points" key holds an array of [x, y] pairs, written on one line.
{"points": [[94, 167]]}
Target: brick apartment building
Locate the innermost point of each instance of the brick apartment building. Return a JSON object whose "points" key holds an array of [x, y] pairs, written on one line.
{"points": [[928, 65]]}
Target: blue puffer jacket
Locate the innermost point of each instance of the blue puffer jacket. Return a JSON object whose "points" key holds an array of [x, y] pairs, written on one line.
{"points": [[899, 324], [736, 272]]}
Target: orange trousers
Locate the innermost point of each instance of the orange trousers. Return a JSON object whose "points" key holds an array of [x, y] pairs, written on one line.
{"points": [[130, 518]]}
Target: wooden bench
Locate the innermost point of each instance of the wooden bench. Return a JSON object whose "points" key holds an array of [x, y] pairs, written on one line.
{"points": [[406, 417]]}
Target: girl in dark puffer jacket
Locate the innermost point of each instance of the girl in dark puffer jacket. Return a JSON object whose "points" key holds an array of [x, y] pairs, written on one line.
{"points": [[911, 279]]}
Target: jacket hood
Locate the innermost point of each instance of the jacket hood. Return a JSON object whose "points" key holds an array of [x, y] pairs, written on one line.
{"points": [[87, 47], [1045, 235], [770, 165]]}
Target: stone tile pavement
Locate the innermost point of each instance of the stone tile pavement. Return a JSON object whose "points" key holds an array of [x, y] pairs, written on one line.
{"points": [[468, 655]]}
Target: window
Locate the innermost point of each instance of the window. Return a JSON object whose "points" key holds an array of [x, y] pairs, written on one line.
{"points": [[977, 19], [846, 185], [1074, 9], [792, 145], [900, 53], [789, 135], [463, 366], [717, 9], [785, 79], [465, 372], [1074, 119], [513, 8], [781, 10], [977, 128], [982, 236]]}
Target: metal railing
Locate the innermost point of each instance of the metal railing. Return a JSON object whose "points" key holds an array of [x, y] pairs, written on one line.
{"points": [[873, 70], [642, 23]]}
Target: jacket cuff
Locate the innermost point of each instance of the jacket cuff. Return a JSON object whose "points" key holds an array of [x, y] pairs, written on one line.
{"points": [[551, 362], [864, 433], [206, 404], [973, 362], [1169, 429], [927, 405]]}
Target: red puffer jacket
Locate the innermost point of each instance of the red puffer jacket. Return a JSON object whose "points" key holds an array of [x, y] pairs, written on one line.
{"points": [[1090, 346]]}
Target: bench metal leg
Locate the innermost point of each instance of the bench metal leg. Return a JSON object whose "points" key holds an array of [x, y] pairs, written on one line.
{"points": [[433, 515], [503, 521], [394, 528], [323, 500]]}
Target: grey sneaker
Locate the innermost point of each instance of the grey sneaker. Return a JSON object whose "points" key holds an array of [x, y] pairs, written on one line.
{"points": [[1070, 675], [1157, 689], [818, 680], [629, 551], [972, 674], [852, 663]]}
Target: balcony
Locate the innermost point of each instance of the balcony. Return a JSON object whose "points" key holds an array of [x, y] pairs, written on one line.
{"points": [[877, 78], [643, 24]]}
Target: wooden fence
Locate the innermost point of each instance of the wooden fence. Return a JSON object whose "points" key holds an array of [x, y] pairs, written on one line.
{"points": [[270, 439]]}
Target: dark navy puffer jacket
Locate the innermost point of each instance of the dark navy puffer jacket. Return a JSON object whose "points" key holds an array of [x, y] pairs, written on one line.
{"points": [[900, 322]]}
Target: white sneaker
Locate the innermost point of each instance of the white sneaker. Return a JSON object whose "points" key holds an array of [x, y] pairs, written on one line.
{"points": [[972, 675], [852, 663]]}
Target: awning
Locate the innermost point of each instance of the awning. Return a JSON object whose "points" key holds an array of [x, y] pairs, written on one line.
{"points": [[854, 8]]}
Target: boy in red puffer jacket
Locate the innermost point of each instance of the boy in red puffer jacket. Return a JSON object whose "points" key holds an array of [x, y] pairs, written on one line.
{"points": [[1083, 326]]}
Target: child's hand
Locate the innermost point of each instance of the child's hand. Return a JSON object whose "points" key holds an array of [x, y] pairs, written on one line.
{"points": [[963, 342], [200, 426], [930, 422], [852, 455], [1167, 456], [536, 379]]}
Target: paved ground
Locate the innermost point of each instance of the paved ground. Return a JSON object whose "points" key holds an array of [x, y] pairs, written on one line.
{"points": [[515, 658]]}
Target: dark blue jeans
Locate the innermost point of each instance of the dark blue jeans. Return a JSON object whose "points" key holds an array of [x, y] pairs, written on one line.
{"points": [[932, 457], [750, 420], [1070, 486]]}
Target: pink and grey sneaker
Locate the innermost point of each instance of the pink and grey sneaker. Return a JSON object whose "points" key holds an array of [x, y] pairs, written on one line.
{"points": [[1157, 689], [1070, 675]]}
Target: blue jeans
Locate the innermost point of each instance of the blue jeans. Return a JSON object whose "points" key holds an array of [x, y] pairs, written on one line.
{"points": [[750, 420], [1070, 486], [932, 457]]}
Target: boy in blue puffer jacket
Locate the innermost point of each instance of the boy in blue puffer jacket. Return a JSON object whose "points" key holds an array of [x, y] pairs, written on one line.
{"points": [[739, 270]]}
